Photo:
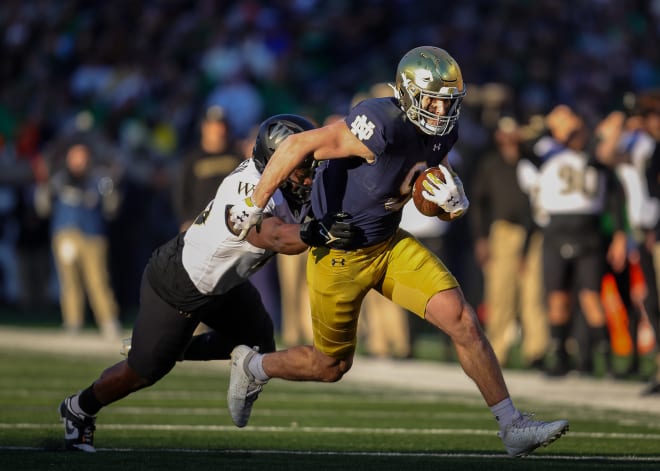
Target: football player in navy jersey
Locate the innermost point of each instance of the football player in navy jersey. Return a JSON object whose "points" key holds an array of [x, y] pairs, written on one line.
{"points": [[369, 162], [201, 275]]}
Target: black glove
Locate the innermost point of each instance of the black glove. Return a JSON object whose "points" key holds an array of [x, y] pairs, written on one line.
{"points": [[332, 231]]}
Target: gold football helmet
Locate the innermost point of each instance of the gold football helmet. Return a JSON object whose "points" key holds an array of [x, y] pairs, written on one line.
{"points": [[426, 73]]}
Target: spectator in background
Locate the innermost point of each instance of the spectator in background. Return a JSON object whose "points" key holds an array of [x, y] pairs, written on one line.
{"points": [[204, 167], [642, 164], [572, 191], [79, 199], [629, 154], [508, 249], [384, 326], [24, 236], [33, 253], [295, 322]]}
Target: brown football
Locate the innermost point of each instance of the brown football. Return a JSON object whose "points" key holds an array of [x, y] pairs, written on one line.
{"points": [[424, 206]]}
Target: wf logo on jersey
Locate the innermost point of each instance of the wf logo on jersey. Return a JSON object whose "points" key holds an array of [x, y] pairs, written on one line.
{"points": [[362, 128], [245, 188]]}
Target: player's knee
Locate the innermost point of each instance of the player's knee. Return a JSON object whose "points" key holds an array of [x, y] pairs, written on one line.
{"points": [[124, 378], [142, 378], [449, 311]]}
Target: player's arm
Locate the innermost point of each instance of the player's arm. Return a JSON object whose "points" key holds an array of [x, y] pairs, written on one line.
{"points": [[335, 231], [278, 236], [333, 141]]}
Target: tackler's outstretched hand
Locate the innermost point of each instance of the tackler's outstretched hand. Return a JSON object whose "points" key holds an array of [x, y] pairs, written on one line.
{"points": [[245, 215], [449, 195]]}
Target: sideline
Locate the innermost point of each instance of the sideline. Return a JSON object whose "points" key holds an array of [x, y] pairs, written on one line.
{"points": [[422, 376]]}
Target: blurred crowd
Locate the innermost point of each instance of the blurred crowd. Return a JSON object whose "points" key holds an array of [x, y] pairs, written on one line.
{"points": [[133, 81]]}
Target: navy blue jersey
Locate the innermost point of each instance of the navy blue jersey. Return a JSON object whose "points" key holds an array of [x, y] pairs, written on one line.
{"points": [[373, 194]]}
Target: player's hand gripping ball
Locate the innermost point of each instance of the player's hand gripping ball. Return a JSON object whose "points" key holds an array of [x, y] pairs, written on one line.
{"points": [[443, 189], [424, 206]]}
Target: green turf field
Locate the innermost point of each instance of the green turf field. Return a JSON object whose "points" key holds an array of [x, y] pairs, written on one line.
{"points": [[181, 423]]}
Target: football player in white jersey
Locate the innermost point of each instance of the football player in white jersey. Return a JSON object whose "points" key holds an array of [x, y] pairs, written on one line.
{"points": [[573, 190], [201, 275]]}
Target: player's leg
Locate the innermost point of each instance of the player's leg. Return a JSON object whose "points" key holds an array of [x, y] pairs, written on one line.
{"points": [[534, 318], [237, 317], [337, 281], [419, 281], [160, 336], [96, 278], [66, 253], [501, 286], [590, 269], [556, 285]]}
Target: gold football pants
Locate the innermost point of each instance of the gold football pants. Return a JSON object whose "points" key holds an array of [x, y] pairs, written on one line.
{"points": [[401, 269]]}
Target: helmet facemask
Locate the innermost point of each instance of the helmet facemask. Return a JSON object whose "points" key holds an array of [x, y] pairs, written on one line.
{"points": [[298, 185], [424, 118], [426, 74]]}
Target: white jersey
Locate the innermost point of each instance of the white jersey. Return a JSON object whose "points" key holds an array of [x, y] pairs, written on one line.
{"points": [[214, 258], [568, 183], [643, 210]]}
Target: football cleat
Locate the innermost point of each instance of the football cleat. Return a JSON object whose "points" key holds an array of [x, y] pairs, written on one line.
{"points": [[524, 435], [78, 429], [244, 389]]}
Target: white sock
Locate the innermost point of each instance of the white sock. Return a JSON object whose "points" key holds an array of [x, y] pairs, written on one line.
{"points": [[505, 412], [256, 367]]}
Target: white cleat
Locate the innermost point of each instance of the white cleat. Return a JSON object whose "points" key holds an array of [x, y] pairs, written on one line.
{"points": [[243, 388], [525, 435]]}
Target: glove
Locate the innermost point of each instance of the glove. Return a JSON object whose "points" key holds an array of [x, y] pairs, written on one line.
{"points": [[332, 231], [245, 215], [449, 195]]}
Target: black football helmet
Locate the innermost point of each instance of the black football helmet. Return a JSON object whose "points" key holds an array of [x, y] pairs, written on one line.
{"points": [[272, 132], [431, 72]]}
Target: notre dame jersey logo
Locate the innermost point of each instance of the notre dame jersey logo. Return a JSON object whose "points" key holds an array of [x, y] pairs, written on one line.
{"points": [[362, 128]]}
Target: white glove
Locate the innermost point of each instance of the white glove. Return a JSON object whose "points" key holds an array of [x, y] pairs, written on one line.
{"points": [[449, 195], [245, 215]]}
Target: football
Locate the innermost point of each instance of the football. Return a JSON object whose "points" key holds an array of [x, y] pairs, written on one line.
{"points": [[424, 206]]}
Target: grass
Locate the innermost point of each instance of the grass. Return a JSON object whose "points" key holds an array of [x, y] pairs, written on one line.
{"points": [[182, 423]]}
